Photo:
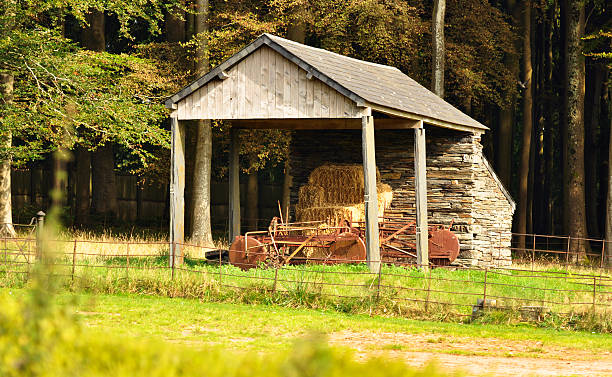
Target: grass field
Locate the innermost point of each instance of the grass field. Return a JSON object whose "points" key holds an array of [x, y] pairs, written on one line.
{"points": [[43, 336], [196, 329], [271, 328]]}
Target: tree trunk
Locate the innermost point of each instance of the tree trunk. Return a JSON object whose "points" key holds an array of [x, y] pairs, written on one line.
{"points": [[548, 116], [575, 125], [34, 184], [176, 33], [200, 218], [437, 36], [202, 27], [47, 181], [504, 146], [60, 178], [139, 201], [83, 181], [191, 141], [608, 245], [175, 25], [296, 32], [604, 137], [201, 232], [539, 188], [527, 124], [287, 183], [506, 116], [564, 115], [93, 37], [104, 200], [297, 29], [252, 197], [592, 164], [6, 209]]}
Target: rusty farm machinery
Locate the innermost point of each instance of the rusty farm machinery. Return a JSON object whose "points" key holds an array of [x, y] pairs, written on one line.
{"points": [[315, 242]]}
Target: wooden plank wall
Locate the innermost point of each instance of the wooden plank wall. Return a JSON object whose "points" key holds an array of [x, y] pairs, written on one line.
{"points": [[265, 85]]}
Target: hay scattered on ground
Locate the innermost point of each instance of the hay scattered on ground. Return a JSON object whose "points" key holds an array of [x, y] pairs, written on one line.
{"points": [[336, 192]]}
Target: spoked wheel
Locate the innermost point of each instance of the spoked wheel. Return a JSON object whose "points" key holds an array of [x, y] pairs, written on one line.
{"points": [[443, 247], [347, 248], [248, 256]]}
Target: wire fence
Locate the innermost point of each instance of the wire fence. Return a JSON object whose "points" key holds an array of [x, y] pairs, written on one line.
{"points": [[526, 288]]}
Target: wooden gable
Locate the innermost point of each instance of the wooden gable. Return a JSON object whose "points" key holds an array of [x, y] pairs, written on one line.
{"points": [[266, 85]]}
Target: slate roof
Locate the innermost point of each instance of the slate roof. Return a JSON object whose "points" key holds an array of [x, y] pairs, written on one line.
{"points": [[366, 83]]}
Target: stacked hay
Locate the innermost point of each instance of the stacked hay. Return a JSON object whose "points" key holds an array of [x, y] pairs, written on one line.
{"points": [[335, 192]]}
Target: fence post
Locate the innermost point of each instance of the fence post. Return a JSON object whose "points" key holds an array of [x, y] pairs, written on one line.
{"points": [[74, 249], [220, 264], [6, 264], [594, 292], [275, 278], [533, 252], [172, 258], [379, 279], [603, 252], [127, 263], [428, 291], [40, 222], [484, 295], [569, 240]]}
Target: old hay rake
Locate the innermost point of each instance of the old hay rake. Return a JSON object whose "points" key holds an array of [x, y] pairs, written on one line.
{"points": [[316, 242]]}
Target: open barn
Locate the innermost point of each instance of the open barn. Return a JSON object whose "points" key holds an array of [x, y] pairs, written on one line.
{"points": [[347, 111]]}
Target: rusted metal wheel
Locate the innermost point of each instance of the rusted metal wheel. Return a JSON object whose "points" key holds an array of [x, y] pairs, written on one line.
{"points": [[255, 252], [347, 248], [443, 246]]}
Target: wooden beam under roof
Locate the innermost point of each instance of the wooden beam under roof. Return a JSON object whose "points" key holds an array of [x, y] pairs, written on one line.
{"points": [[324, 124]]}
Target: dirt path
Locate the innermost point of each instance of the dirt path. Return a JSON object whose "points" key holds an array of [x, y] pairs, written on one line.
{"points": [[489, 356]]}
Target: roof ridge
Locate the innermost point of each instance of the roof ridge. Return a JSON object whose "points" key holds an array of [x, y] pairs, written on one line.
{"points": [[273, 37]]}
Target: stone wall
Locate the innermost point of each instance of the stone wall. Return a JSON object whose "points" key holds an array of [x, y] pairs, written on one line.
{"points": [[460, 188]]}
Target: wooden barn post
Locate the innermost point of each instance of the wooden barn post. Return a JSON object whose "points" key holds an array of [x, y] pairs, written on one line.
{"points": [[177, 190], [370, 195], [420, 183], [234, 186]]}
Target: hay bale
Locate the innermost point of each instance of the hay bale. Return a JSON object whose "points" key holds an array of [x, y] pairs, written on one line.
{"points": [[331, 215], [311, 196], [342, 184], [385, 196], [336, 192]]}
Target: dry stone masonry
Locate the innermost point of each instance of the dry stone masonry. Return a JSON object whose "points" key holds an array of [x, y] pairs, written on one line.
{"points": [[461, 187]]}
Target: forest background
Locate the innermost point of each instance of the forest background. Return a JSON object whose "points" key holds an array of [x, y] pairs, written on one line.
{"points": [[83, 83]]}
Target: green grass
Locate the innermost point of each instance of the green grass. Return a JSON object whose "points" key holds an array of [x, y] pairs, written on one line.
{"points": [[442, 294], [263, 327], [41, 338]]}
